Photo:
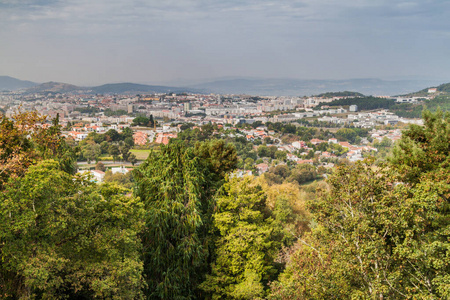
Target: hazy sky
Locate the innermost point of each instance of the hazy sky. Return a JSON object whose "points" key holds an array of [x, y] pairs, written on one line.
{"points": [[91, 42]]}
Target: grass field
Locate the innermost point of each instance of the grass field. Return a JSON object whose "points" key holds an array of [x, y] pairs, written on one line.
{"points": [[140, 154]]}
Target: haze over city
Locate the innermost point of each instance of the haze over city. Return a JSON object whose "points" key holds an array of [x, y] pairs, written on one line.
{"points": [[89, 42]]}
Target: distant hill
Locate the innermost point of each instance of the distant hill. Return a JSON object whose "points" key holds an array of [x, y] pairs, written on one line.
{"points": [[298, 87], [54, 87], [113, 88], [407, 110], [250, 86], [133, 88], [8, 83], [340, 94], [364, 103], [443, 88]]}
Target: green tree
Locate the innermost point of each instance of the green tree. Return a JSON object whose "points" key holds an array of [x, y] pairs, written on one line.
{"points": [[176, 186], [62, 237], [127, 132], [280, 155], [310, 154], [124, 150], [91, 152], [96, 137], [141, 121], [423, 148], [349, 254], [346, 134], [249, 163], [114, 151], [129, 141], [302, 173], [112, 135], [132, 159], [263, 151], [245, 246], [382, 230], [104, 147], [124, 180]]}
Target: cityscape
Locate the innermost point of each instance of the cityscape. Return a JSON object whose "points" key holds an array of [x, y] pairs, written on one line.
{"points": [[242, 150]]}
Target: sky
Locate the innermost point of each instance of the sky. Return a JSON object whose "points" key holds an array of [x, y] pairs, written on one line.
{"points": [[89, 42]]}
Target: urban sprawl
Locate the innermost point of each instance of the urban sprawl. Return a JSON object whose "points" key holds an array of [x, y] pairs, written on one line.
{"points": [[241, 116]]}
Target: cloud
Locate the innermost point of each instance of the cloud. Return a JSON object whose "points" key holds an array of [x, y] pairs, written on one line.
{"points": [[201, 38]]}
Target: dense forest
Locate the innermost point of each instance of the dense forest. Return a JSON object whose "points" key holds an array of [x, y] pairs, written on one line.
{"points": [[186, 227], [364, 103], [340, 94]]}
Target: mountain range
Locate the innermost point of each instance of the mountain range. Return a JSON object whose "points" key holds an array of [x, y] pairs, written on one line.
{"points": [[12, 84], [299, 87], [251, 86], [8, 83]]}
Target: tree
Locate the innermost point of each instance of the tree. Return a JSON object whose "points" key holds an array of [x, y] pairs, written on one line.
{"points": [[96, 137], [63, 237], [263, 151], [346, 134], [24, 139], [281, 170], [349, 254], [310, 154], [129, 141], [249, 163], [141, 121], [382, 230], [245, 245], [176, 186], [281, 155], [132, 159], [302, 173], [151, 121], [112, 135], [100, 166], [124, 150], [104, 147], [124, 180], [127, 132], [185, 126], [114, 151], [288, 203], [423, 149], [68, 126], [91, 152]]}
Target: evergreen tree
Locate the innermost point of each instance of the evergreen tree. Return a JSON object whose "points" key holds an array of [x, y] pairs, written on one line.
{"points": [[176, 186]]}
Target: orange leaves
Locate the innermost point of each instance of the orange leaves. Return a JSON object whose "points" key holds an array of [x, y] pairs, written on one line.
{"points": [[24, 139]]}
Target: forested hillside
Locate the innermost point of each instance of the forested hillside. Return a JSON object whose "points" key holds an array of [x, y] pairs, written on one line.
{"points": [[364, 103], [191, 228], [414, 110], [407, 110]]}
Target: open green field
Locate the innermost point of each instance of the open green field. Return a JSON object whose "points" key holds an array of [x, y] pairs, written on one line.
{"points": [[140, 154]]}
